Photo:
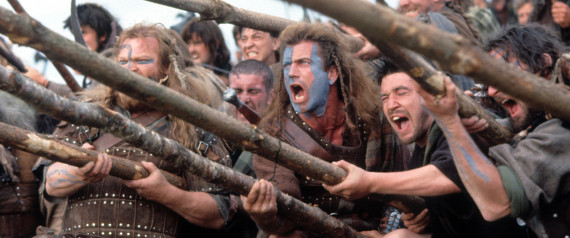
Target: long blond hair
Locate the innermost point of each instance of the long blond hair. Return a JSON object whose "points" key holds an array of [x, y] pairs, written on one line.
{"points": [[181, 77]]}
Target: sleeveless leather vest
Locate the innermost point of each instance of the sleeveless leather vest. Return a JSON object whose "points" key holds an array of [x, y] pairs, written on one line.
{"points": [[108, 208]]}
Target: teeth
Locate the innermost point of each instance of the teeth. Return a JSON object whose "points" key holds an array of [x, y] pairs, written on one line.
{"points": [[252, 54], [298, 97], [395, 118]]}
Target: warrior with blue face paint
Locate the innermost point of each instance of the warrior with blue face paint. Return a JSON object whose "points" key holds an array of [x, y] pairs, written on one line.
{"points": [[323, 105], [151, 207]]}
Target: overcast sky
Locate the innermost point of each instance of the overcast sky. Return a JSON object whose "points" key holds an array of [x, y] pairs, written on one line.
{"points": [[52, 13]]}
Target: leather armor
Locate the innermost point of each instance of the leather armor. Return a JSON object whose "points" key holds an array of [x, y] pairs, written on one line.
{"points": [[360, 213], [108, 208], [19, 207]]}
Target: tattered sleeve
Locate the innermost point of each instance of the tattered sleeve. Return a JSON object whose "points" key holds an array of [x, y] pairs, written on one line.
{"points": [[541, 162]]}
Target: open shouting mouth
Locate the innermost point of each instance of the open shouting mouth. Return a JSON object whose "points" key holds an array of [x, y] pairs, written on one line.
{"points": [[400, 120], [298, 93]]}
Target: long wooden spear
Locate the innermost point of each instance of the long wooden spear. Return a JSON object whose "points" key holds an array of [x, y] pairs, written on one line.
{"points": [[308, 217], [454, 53], [45, 146], [428, 77], [223, 12], [65, 74], [433, 81], [27, 31]]}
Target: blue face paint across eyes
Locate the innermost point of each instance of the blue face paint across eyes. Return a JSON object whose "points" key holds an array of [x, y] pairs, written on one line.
{"points": [[150, 61], [130, 60]]}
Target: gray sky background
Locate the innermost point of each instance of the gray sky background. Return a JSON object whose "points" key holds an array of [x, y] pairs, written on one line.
{"points": [[52, 13]]}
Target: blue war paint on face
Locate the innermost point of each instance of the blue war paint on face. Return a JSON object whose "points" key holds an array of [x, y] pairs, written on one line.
{"points": [[287, 61], [130, 60], [319, 88], [130, 49]]}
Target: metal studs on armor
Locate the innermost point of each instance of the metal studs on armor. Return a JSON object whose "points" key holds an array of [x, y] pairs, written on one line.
{"points": [[555, 215]]}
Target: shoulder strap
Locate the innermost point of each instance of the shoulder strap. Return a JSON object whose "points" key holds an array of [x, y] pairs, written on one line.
{"points": [[108, 140]]}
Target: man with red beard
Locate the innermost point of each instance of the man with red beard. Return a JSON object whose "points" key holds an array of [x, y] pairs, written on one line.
{"points": [[450, 211], [528, 178], [101, 205], [325, 106]]}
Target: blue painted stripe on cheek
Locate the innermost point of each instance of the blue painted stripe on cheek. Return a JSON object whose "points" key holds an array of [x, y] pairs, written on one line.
{"points": [[319, 89]]}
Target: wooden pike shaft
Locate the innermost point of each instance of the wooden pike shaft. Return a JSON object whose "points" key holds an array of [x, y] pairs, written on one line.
{"points": [[307, 217], [45, 146]]}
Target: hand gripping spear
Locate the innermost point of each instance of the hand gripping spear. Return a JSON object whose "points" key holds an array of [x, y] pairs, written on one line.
{"points": [[174, 103], [307, 217]]}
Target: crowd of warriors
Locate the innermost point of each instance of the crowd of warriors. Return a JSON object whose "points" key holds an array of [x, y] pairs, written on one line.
{"points": [[356, 110]]}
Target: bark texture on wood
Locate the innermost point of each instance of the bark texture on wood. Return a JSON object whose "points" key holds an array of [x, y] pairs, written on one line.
{"points": [[61, 69], [223, 12], [27, 31], [454, 53], [45, 146], [307, 217]]}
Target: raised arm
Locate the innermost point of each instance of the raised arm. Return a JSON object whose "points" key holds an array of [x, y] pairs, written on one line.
{"points": [[480, 177]]}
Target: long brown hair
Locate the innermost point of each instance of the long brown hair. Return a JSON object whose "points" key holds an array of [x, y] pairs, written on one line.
{"points": [[356, 91]]}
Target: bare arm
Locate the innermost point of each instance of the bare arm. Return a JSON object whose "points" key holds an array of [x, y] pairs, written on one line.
{"points": [[198, 208], [480, 177], [424, 181], [63, 180]]}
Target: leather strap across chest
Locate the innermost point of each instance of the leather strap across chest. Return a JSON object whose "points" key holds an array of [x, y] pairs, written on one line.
{"points": [[302, 136], [108, 140]]}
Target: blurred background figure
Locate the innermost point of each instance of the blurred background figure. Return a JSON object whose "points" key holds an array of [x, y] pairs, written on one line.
{"points": [[523, 9], [207, 46]]}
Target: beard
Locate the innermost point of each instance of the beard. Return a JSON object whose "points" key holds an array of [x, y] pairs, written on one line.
{"points": [[128, 103], [522, 123]]}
